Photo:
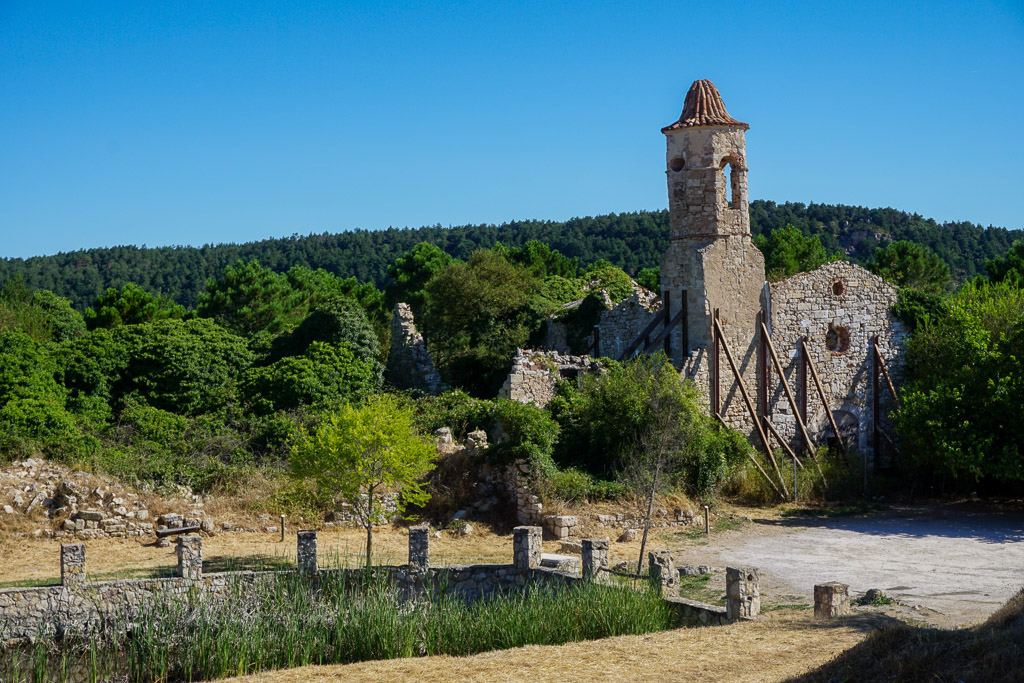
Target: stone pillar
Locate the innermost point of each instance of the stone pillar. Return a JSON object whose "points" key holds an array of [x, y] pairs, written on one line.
{"points": [[306, 551], [663, 573], [72, 564], [742, 592], [831, 600], [595, 558], [526, 547], [419, 548], [190, 556]]}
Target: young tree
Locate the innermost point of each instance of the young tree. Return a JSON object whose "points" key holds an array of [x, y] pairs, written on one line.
{"points": [[362, 453], [788, 252]]}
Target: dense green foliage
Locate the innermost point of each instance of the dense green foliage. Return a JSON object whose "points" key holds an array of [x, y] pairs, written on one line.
{"points": [[605, 418], [345, 618], [910, 265], [788, 252], [963, 422], [632, 241]]}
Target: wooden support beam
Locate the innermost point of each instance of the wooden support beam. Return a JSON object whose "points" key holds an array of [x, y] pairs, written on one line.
{"points": [[888, 380], [824, 401], [750, 405], [876, 422], [757, 464], [782, 442], [666, 305], [716, 384], [792, 403]]}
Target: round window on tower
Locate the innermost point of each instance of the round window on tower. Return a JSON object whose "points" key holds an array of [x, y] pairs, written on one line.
{"points": [[677, 164], [838, 287]]}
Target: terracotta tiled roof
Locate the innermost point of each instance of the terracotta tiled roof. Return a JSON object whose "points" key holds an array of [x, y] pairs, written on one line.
{"points": [[703, 107]]}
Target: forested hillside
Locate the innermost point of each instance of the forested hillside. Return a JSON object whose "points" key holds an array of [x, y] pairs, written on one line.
{"points": [[630, 240]]}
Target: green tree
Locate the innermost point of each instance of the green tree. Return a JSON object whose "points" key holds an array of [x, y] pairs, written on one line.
{"points": [[250, 298], [788, 252], [325, 374], [964, 400], [130, 305], [650, 278], [477, 315], [913, 266], [410, 274], [1009, 266], [362, 452]]}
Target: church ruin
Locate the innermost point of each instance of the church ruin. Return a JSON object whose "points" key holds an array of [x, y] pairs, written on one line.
{"points": [[810, 360]]}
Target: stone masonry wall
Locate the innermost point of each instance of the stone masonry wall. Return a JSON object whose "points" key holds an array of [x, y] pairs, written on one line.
{"points": [[534, 375], [409, 364], [855, 304], [620, 324]]}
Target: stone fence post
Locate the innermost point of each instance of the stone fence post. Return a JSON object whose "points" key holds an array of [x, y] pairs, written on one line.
{"points": [[306, 552], [526, 547], [663, 573], [72, 564], [190, 556], [831, 600], [419, 548], [742, 592], [595, 558]]}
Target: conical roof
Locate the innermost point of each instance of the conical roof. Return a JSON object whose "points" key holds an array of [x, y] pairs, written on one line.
{"points": [[703, 106]]}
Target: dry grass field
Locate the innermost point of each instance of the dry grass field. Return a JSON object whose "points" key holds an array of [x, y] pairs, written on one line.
{"points": [[777, 647]]}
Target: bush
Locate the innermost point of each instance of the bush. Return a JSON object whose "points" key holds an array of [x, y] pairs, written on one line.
{"points": [[456, 410], [529, 434]]}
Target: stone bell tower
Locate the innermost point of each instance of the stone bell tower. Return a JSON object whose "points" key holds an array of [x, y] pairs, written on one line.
{"points": [[711, 256]]}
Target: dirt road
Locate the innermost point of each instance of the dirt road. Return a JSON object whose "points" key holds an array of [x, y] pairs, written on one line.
{"points": [[960, 562]]}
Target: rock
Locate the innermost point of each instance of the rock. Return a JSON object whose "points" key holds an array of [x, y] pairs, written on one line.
{"points": [[8, 510], [207, 525], [437, 534], [466, 529], [873, 595], [90, 515], [574, 547], [606, 519], [227, 526], [142, 515], [270, 529], [628, 535], [163, 543], [443, 435], [698, 570]]}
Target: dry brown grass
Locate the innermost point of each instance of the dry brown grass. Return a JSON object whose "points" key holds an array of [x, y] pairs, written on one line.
{"points": [[775, 648], [38, 560]]}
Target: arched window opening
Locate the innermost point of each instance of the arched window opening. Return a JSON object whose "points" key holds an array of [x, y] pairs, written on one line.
{"points": [[677, 164], [731, 183]]}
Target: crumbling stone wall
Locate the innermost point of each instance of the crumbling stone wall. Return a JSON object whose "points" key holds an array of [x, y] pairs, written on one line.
{"points": [[409, 364], [620, 324], [534, 375], [843, 306]]}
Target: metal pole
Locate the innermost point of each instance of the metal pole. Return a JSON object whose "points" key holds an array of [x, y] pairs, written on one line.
{"points": [[707, 521]]}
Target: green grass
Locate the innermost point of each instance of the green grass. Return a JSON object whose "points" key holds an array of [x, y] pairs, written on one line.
{"points": [[718, 525], [345, 617], [696, 588]]}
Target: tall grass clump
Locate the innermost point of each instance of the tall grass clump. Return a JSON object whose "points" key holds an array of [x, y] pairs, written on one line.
{"points": [[337, 617]]}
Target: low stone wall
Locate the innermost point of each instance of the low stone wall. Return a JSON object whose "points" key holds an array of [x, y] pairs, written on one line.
{"points": [[78, 605]]}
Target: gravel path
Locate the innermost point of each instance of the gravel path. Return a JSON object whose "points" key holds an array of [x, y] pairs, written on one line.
{"points": [[962, 562]]}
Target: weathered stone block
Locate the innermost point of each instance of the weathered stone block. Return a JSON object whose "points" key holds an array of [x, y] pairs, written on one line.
{"points": [[72, 564], [526, 547], [419, 548], [595, 558], [831, 600], [306, 551], [190, 557], [742, 592], [663, 573]]}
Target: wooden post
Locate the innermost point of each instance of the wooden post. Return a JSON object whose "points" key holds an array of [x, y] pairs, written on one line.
{"points": [[802, 381], [707, 520], [793, 406], [282, 528], [824, 401], [750, 406], [876, 422], [667, 305], [771, 482], [785, 446], [686, 326], [716, 405], [762, 372], [888, 379]]}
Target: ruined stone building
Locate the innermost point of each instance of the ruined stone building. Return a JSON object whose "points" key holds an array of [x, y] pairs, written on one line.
{"points": [[826, 323]]}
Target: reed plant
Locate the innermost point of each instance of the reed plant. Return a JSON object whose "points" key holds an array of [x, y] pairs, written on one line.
{"points": [[335, 617]]}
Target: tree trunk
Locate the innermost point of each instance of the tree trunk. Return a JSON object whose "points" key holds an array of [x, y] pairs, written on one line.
{"points": [[369, 544], [647, 521]]}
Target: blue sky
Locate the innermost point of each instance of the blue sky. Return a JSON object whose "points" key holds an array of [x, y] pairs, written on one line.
{"points": [[203, 122]]}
